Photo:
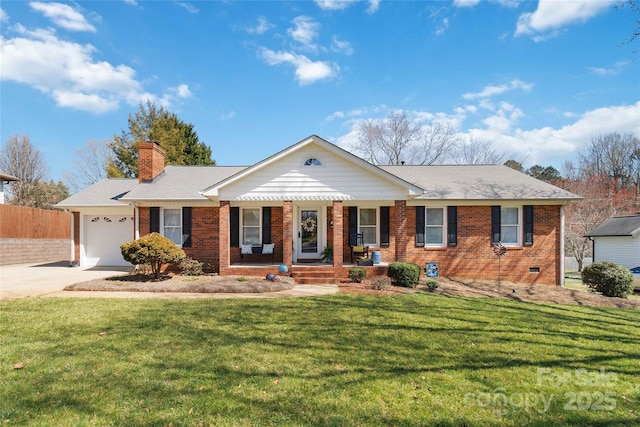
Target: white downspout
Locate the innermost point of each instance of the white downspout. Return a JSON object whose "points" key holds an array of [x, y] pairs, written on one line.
{"points": [[137, 223], [562, 246]]}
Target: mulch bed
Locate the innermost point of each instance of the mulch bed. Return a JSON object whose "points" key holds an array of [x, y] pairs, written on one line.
{"points": [[237, 284], [544, 294], [178, 283]]}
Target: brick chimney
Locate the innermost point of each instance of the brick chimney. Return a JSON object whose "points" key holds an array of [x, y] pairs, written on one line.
{"points": [[150, 161]]}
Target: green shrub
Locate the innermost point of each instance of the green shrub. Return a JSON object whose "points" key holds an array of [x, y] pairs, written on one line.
{"points": [[432, 285], [191, 267], [404, 274], [608, 278], [380, 282], [357, 274], [153, 249]]}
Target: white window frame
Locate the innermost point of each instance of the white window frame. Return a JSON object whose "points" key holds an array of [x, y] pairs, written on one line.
{"points": [[443, 227], [376, 227], [163, 227], [517, 226], [242, 226]]}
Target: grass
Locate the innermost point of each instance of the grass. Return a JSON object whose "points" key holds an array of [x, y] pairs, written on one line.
{"points": [[407, 360]]}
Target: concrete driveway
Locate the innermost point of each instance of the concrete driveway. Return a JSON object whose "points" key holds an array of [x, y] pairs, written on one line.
{"points": [[49, 280], [17, 281]]}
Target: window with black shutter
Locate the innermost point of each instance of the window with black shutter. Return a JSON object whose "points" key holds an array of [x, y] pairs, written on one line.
{"points": [[420, 225], [234, 226], [452, 225], [528, 225], [186, 227]]}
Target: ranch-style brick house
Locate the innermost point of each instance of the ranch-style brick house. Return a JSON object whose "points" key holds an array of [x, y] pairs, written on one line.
{"points": [[314, 194]]}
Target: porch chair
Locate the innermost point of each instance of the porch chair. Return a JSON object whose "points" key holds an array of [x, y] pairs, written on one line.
{"points": [[358, 249]]}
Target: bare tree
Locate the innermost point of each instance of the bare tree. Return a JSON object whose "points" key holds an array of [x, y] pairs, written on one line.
{"points": [[397, 139], [23, 160], [90, 164], [612, 155], [473, 151]]}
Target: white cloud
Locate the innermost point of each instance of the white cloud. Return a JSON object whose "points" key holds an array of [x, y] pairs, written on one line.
{"points": [[304, 31], [343, 46], [228, 116], [81, 101], [544, 146], [261, 27], [334, 4], [67, 72], [131, 2], [552, 15], [374, 5], [492, 90], [63, 16], [547, 145], [611, 71], [189, 7], [442, 27], [307, 71], [465, 3], [3, 16]]}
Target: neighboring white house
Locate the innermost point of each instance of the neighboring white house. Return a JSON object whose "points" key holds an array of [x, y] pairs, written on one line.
{"points": [[617, 240], [4, 180]]}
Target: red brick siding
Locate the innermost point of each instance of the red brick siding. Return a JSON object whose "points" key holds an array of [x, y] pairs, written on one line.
{"points": [[276, 237], [204, 236], [144, 225], [150, 161], [473, 258]]}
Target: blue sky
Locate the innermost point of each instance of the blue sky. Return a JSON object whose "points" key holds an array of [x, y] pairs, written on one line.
{"points": [[537, 78]]}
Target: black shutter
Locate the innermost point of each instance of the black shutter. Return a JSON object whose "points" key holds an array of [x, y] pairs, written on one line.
{"points": [[452, 225], [420, 218], [154, 220], [266, 224], [384, 225], [496, 224], [353, 225], [234, 227], [186, 227], [528, 225]]}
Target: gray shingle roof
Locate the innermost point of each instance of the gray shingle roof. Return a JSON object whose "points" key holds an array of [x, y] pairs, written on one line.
{"points": [[182, 183], [617, 226], [477, 182], [106, 192]]}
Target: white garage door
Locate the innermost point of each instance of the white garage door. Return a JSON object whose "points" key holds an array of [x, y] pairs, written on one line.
{"points": [[104, 235]]}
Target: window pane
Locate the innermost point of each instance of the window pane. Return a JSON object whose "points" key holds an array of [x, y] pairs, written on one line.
{"points": [[172, 217], [251, 235], [174, 233], [509, 216], [434, 235], [369, 235], [367, 217], [509, 234], [435, 216], [250, 217]]}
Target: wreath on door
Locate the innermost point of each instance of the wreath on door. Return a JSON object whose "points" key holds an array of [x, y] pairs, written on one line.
{"points": [[309, 225]]}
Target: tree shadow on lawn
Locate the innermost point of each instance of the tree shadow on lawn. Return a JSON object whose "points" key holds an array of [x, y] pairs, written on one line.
{"points": [[331, 348]]}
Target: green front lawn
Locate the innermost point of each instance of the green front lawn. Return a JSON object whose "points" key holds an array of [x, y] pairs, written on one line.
{"points": [[340, 360]]}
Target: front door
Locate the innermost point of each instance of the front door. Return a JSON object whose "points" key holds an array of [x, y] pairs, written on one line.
{"points": [[309, 233]]}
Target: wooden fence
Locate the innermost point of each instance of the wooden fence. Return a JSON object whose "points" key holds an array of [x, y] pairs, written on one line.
{"points": [[18, 222], [30, 235]]}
